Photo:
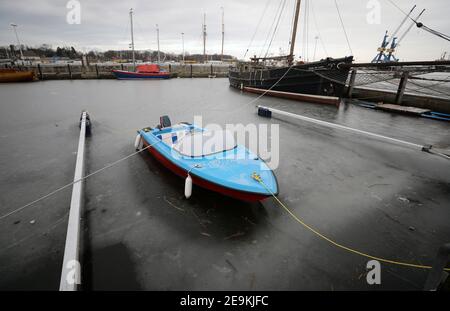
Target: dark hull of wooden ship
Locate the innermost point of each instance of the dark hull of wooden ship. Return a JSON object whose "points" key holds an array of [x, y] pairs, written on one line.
{"points": [[325, 77]]}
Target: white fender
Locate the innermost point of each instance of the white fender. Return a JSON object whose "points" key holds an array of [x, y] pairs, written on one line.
{"points": [[138, 142], [188, 187]]}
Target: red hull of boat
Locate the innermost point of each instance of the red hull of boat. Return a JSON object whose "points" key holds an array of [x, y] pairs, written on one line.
{"points": [[11, 75], [240, 195], [121, 74]]}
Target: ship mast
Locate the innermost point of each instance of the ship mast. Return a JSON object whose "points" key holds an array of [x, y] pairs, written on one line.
{"points": [[132, 40], [223, 32], [294, 32], [14, 26], [157, 39]]}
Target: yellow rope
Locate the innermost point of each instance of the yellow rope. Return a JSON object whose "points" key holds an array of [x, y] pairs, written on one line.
{"points": [[259, 179]]}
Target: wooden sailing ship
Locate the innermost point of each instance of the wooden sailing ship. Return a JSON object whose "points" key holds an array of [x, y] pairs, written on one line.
{"points": [[326, 77]]}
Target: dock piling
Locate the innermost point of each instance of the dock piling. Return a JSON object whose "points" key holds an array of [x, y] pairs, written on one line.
{"points": [[41, 77], [70, 71], [437, 273], [351, 83], [401, 88]]}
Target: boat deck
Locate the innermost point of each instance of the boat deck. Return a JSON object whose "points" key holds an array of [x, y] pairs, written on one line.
{"points": [[141, 233]]}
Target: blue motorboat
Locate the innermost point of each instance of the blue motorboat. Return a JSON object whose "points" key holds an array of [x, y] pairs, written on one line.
{"points": [[209, 159]]}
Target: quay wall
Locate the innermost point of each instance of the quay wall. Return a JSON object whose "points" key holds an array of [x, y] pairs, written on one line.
{"points": [[104, 71]]}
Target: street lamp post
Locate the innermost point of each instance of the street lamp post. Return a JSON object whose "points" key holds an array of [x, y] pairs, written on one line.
{"points": [[182, 42], [14, 26], [315, 47], [157, 38], [223, 32]]}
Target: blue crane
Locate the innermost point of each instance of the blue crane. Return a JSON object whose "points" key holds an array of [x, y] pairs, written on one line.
{"points": [[387, 54]]}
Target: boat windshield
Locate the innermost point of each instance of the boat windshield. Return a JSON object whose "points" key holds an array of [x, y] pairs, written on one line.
{"points": [[197, 144]]}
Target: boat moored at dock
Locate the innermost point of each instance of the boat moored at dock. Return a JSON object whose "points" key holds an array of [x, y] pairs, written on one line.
{"points": [[13, 75], [140, 72], [209, 159], [325, 77], [148, 71]]}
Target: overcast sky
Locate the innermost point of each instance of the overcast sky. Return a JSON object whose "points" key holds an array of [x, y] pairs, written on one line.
{"points": [[105, 25]]}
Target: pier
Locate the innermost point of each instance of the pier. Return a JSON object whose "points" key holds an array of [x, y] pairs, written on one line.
{"points": [[426, 102], [71, 269], [401, 83]]}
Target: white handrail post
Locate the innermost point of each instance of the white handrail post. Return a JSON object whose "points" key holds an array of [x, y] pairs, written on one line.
{"points": [[71, 270]]}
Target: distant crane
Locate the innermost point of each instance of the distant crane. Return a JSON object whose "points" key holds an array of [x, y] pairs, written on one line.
{"points": [[382, 57]]}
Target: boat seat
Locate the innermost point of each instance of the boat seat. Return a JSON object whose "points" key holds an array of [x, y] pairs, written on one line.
{"points": [[168, 138], [164, 121], [171, 138]]}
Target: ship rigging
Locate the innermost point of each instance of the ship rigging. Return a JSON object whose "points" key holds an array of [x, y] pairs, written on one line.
{"points": [[283, 73]]}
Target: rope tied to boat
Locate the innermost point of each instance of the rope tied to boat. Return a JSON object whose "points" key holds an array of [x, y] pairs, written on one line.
{"points": [[333, 242], [256, 177]]}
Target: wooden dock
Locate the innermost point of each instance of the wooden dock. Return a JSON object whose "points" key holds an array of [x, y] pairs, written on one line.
{"points": [[428, 102], [366, 88], [402, 109]]}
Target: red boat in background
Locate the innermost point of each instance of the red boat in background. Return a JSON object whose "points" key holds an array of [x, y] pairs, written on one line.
{"points": [[13, 75], [147, 71]]}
